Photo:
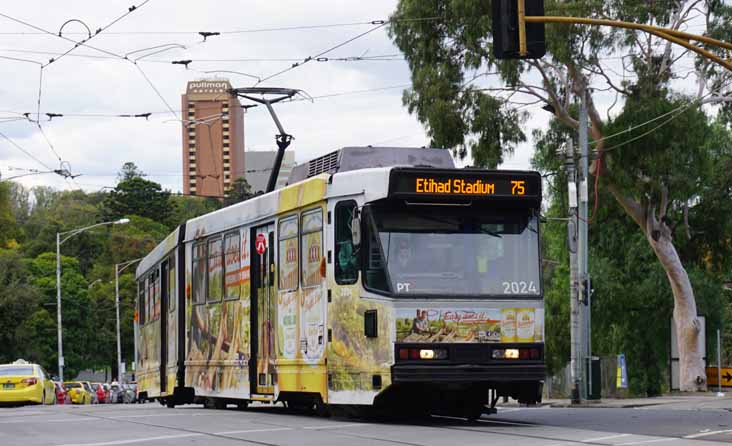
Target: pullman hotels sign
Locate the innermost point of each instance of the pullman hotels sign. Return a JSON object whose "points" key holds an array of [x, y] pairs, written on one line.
{"points": [[208, 89]]}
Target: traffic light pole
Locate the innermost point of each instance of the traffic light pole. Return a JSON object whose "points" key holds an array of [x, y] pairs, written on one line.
{"points": [[678, 37]]}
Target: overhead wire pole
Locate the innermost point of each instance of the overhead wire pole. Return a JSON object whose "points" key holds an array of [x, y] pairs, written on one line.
{"points": [[575, 346], [582, 251]]}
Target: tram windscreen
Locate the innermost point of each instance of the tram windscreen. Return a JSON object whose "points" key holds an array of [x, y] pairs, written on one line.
{"points": [[446, 250]]}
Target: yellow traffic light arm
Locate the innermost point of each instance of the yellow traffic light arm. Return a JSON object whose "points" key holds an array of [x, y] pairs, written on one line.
{"points": [[677, 37]]}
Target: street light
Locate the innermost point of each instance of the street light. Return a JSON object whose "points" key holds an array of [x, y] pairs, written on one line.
{"points": [[118, 268], [59, 241]]}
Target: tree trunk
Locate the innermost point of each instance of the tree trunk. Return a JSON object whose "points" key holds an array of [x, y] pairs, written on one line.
{"points": [[692, 376]]}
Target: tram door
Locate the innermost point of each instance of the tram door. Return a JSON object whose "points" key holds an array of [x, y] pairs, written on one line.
{"points": [[164, 299], [263, 311]]}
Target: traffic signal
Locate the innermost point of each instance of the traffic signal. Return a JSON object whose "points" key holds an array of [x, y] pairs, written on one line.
{"points": [[506, 29]]}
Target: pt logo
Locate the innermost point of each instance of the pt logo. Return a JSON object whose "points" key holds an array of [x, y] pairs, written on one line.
{"points": [[403, 287]]}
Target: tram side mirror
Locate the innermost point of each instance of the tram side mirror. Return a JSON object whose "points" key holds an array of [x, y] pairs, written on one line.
{"points": [[356, 228]]}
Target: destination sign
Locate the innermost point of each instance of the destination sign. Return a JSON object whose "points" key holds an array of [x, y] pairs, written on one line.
{"points": [[465, 183]]}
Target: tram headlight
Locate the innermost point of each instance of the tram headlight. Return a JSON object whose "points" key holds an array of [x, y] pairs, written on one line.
{"points": [[509, 353], [422, 353]]}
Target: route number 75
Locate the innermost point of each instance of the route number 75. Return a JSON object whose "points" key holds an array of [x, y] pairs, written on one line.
{"points": [[518, 187]]}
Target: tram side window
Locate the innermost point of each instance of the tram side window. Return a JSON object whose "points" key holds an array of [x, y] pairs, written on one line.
{"points": [[156, 303], [141, 302], [374, 264], [312, 248], [215, 270], [232, 266], [172, 296], [199, 273], [288, 253], [346, 258], [149, 297]]}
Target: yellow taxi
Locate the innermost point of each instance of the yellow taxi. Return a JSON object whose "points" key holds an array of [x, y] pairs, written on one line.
{"points": [[77, 392], [23, 382]]}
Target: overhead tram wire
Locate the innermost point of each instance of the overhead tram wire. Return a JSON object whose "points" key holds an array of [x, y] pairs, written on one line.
{"points": [[379, 24], [239, 31], [30, 155], [206, 118], [98, 31]]}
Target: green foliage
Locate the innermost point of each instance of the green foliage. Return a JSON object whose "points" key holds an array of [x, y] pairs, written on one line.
{"points": [[18, 300], [186, 208], [134, 195], [8, 228], [28, 273], [75, 307], [240, 191]]}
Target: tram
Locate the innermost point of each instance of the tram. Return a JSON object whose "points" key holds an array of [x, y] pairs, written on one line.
{"points": [[382, 278]]}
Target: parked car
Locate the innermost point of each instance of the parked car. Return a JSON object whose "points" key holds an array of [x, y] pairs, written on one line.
{"points": [[88, 387], [62, 397], [116, 393], [129, 394], [78, 393], [23, 382], [99, 391], [107, 393]]}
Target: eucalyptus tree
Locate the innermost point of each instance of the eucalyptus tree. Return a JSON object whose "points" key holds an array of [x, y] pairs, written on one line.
{"points": [[476, 105]]}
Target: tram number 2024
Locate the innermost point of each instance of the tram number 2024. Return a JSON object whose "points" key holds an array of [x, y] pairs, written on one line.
{"points": [[519, 287]]}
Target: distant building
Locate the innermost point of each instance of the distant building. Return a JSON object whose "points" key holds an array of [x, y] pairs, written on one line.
{"points": [[213, 138], [259, 167]]}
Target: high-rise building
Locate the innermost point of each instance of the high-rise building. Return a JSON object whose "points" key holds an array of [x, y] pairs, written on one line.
{"points": [[213, 138]]}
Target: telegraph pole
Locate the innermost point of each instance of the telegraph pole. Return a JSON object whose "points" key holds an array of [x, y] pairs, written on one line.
{"points": [[58, 309], [572, 226], [582, 246]]}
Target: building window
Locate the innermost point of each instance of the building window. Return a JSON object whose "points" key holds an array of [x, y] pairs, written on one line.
{"points": [[215, 270], [288, 253], [199, 273], [312, 248], [226, 144], [227, 168]]}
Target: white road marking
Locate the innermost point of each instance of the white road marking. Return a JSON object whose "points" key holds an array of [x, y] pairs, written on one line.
{"points": [[59, 420], [590, 440], [249, 431], [510, 423], [507, 410], [655, 440], [335, 426], [708, 432], [136, 440]]}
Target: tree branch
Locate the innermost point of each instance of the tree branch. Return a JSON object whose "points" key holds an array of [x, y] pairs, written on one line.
{"points": [[560, 111]]}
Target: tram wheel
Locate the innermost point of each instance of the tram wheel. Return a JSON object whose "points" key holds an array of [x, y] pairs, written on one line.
{"points": [[219, 404], [241, 405], [474, 413], [170, 402]]}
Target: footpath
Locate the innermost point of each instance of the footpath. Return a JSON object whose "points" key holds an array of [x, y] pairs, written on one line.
{"points": [[690, 401]]}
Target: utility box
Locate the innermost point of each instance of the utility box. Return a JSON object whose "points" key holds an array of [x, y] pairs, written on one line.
{"points": [[594, 378]]}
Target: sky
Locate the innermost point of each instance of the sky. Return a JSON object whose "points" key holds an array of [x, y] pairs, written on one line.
{"points": [[88, 82]]}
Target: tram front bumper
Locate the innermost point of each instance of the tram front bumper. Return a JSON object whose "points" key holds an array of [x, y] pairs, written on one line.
{"points": [[467, 373]]}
